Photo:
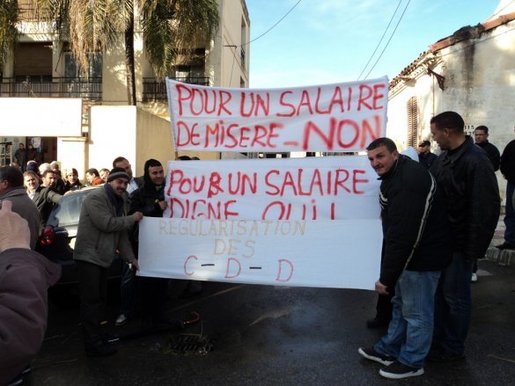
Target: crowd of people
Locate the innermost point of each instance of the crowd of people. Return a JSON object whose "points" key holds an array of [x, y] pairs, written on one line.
{"points": [[110, 214], [438, 213]]}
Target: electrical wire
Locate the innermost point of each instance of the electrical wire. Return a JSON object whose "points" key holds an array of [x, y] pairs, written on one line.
{"points": [[260, 36], [389, 40], [273, 26], [380, 40]]}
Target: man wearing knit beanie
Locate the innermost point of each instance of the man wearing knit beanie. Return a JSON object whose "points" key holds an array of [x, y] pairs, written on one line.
{"points": [[103, 232], [117, 173]]}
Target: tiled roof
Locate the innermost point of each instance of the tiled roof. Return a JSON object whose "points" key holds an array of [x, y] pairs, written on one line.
{"points": [[463, 33]]}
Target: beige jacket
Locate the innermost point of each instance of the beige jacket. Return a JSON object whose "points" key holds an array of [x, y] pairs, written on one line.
{"points": [[102, 234]]}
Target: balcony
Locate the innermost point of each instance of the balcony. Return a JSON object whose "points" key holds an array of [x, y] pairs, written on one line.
{"points": [[90, 88], [155, 89]]}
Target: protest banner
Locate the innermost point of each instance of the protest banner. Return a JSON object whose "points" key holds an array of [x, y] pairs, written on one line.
{"points": [[323, 253], [273, 189], [341, 117]]}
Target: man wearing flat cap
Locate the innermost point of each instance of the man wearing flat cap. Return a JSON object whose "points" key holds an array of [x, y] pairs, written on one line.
{"points": [[101, 235]]}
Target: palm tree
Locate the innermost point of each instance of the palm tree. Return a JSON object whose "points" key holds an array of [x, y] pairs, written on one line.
{"points": [[170, 28], [8, 32]]}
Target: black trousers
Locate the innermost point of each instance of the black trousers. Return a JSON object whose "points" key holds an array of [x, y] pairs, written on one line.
{"points": [[153, 293], [93, 300], [384, 306]]}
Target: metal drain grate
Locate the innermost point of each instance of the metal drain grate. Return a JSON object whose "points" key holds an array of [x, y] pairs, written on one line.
{"points": [[188, 345]]}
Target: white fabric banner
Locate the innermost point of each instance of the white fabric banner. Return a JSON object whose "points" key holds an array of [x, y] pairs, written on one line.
{"points": [[331, 188], [324, 253], [343, 117], [296, 222]]}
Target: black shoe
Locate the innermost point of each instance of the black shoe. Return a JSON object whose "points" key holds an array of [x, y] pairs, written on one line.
{"points": [[505, 245], [377, 323], [101, 350], [373, 355], [398, 370]]}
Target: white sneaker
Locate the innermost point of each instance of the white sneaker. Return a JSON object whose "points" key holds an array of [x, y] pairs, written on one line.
{"points": [[473, 278], [120, 320]]}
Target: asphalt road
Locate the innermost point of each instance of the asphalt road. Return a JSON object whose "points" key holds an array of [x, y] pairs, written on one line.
{"points": [[264, 335]]}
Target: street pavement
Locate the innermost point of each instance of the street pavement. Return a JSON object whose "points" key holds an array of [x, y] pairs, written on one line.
{"points": [[265, 335]]}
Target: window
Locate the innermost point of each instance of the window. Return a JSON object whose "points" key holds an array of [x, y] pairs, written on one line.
{"points": [[412, 122], [71, 68]]}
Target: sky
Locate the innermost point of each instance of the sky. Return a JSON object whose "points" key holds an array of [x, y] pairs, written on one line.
{"points": [[331, 41]]}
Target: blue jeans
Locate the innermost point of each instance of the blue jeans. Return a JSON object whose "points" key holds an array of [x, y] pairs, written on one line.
{"points": [[411, 329], [453, 306], [509, 218]]}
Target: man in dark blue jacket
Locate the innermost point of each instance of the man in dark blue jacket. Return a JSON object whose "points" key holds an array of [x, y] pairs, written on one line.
{"points": [[416, 248]]}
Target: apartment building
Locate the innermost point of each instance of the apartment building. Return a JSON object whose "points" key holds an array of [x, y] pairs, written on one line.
{"points": [[85, 120]]}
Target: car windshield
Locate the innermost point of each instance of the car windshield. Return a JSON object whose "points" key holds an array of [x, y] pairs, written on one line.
{"points": [[67, 211]]}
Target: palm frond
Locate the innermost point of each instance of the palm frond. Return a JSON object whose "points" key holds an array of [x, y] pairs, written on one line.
{"points": [[9, 13], [175, 28]]}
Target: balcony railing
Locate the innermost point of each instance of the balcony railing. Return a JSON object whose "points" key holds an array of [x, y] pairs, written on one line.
{"points": [[90, 88], [155, 89], [86, 88]]}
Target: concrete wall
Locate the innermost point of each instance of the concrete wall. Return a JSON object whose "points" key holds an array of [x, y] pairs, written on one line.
{"points": [[71, 153], [153, 140], [480, 82], [112, 133], [114, 76]]}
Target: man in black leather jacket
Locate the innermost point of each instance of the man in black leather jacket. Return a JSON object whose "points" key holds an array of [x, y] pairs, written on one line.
{"points": [[416, 248], [467, 179]]}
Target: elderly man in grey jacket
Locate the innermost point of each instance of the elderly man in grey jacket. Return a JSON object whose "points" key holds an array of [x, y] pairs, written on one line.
{"points": [[101, 235]]}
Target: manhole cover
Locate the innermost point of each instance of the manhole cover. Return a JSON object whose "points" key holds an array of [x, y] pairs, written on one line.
{"points": [[188, 345]]}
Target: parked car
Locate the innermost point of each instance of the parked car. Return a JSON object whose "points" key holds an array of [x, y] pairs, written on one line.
{"points": [[57, 239]]}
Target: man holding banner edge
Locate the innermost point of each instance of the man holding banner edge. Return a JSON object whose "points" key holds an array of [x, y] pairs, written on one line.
{"points": [[416, 247]]}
